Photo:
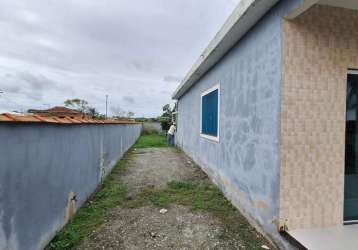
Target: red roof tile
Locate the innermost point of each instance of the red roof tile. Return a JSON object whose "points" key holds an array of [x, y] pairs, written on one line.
{"points": [[56, 110], [5, 118], [10, 118], [62, 110]]}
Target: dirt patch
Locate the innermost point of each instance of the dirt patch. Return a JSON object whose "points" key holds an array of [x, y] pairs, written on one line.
{"points": [[155, 167], [147, 228], [197, 216]]}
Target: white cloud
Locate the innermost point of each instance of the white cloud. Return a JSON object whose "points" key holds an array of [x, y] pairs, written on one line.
{"points": [[135, 51]]}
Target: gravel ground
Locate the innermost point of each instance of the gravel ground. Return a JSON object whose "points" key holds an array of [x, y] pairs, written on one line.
{"points": [[155, 167], [145, 227]]}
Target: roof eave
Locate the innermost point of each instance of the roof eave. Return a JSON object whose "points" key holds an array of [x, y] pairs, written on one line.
{"points": [[244, 17], [307, 4]]}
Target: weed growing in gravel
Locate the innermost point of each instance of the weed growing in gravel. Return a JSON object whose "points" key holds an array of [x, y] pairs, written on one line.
{"points": [[202, 196], [199, 195]]}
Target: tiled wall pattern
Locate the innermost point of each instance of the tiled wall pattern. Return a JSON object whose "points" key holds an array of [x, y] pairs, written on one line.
{"points": [[319, 47]]}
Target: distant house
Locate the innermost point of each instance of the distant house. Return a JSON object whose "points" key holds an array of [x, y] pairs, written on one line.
{"points": [[270, 112], [61, 112]]}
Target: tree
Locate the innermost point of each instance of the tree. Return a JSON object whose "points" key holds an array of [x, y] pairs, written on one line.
{"points": [[167, 117], [78, 104], [92, 112], [166, 107], [83, 107]]}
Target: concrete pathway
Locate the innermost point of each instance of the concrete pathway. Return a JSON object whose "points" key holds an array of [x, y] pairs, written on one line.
{"points": [[180, 227], [333, 238]]}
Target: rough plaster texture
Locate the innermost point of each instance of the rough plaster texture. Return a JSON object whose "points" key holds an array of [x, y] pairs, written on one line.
{"points": [[319, 47], [41, 165], [246, 162]]}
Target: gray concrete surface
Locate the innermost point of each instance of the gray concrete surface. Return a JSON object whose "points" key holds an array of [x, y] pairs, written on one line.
{"points": [[42, 165], [332, 238], [246, 161]]}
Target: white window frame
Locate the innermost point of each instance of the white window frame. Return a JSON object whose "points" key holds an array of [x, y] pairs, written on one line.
{"points": [[210, 137]]}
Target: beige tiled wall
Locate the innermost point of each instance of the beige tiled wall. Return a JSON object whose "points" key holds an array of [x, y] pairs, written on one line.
{"points": [[319, 47]]}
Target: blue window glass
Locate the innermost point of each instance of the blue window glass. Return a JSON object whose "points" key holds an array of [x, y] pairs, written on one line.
{"points": [[209, 112]]}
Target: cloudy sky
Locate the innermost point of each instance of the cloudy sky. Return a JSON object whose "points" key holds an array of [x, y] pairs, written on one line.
{"points": [[136, 51]]}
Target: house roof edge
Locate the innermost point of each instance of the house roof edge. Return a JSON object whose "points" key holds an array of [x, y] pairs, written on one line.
{"points": [[243, 18]]}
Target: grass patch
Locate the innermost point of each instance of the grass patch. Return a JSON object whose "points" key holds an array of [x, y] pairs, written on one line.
{"points": [[151, 140], [201, 196], [206, 197], [111, 194]]}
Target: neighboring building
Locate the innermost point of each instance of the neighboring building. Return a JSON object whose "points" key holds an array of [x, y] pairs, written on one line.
{"points": [[264, 111], [61, 112]]}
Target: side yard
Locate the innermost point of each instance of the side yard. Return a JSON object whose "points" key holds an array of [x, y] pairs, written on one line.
{"points": [[157, 198]]}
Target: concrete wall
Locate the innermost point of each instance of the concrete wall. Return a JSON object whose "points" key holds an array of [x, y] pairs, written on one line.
{"points": [[41, 164], [246, 162], [319, 48]]}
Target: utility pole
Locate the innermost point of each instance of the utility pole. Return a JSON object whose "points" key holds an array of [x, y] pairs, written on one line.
{"points": [[106, 106]]}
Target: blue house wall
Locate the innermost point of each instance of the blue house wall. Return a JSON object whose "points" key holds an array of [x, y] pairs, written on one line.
{"points": [[245, 163]]}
